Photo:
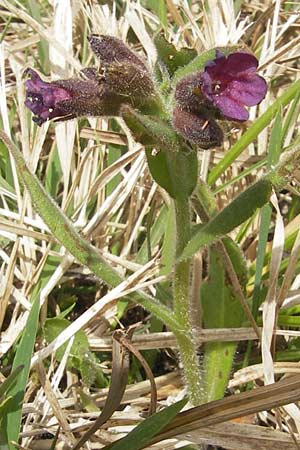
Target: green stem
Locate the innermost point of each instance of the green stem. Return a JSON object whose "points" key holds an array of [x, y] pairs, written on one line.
{"points": [[181, 299]]}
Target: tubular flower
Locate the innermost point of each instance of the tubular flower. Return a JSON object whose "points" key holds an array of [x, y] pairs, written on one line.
{"points": [[223, 90], [43, 98], [231, 83], [227, 84], [122, 78]]}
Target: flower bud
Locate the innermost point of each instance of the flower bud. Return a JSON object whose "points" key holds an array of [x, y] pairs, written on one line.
{"points": [[197, 128], [110, 49], [122, 79]]}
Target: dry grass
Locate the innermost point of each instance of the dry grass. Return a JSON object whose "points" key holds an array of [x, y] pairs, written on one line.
{"points": [[126, 201]]}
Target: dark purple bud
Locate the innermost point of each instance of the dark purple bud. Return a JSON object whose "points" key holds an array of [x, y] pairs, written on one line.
{"points": [[198, 128], [231, 83], [92, 73], [112, 50], [128, 80], [188, 94]]}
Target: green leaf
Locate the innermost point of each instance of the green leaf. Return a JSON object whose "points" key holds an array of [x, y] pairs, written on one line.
{"points": [[54, 326], [145, 431], [266, 213], [171, 58], [237, 212], [176, 173], [5, 403], [159, 7], [43, 46], [198, 63], [53, 173], [64, 231], [221, 309], [156, 233], [113, 154], [175, 167], [10, 380], [238, 260], [23, 356]]}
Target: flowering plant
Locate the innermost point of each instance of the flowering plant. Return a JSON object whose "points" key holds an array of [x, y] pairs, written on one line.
{"points": [[204, 91]]}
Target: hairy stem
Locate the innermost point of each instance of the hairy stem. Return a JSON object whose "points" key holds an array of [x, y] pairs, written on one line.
{"points": [[181, 299]]}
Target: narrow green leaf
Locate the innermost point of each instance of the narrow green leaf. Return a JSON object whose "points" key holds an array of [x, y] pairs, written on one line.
{"points": [[10, 380], [275, 143], [221, 309], [291, 116], [198, 63], [237, 212], [113, 154], [238, 259], [159, 7], [22, 357], [53, 173], [43, 46], [13, 412], [266, 212], [146, 430], [156, 234], [171, 58]]}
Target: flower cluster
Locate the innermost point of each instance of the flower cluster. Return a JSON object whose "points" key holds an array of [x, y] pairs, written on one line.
{"points": [[122, 78], [222, 90]]}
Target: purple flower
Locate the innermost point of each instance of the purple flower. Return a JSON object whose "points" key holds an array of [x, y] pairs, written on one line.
{"points": [[43, 99], [122, 78], [231, 83], [222, 90]]}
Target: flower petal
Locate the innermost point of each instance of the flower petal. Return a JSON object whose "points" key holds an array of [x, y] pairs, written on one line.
{"points": [[240, 62], [234, 66], [249, 91], [230, 108]]}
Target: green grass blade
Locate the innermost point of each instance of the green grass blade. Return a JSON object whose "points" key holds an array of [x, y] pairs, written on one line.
{"points": [[22, 357], [145, 431], [10, 380]]}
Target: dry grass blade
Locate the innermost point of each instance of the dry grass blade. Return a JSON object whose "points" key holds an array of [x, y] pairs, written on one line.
{"points": [[120, 369], [131, 348], [132, 284], [239, 405], [235, 436], [107, 137], [50, 395]]}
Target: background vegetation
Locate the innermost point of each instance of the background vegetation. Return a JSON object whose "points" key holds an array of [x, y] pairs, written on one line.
{"points": [[65, 335]]}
